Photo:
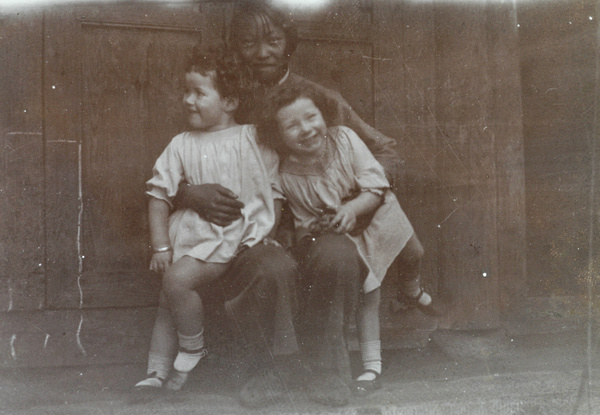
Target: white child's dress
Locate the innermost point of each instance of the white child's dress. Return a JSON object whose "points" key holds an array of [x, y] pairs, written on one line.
{"points": [[233, 159], [346, 168]]}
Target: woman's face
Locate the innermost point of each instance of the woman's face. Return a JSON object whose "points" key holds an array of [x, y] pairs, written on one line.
{"points": [[262, 45], [302, 128]]}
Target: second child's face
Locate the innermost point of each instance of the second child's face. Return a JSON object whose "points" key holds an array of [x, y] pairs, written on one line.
{"points": [[205, 108], [302, 128]]}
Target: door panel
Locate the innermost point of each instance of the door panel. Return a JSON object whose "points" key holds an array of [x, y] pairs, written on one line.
{"points": [[125, 69]]}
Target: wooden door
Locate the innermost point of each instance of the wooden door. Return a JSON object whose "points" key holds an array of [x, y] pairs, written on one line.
{"points": [[112, 102]]}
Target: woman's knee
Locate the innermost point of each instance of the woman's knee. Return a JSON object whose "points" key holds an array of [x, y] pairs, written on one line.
{"points": [[333, 252], [269, 265]]}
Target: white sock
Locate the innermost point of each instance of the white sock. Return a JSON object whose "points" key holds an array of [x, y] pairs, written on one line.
{"points": [[371, 357], [191, 350], [158, 369], [159, 364]]}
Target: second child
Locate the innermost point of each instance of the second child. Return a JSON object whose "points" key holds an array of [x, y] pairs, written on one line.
{"points": [[343, 209]]}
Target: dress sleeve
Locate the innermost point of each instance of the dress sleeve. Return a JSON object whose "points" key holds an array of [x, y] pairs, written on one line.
{"points": [[271, 161], [167, 173], [368, 172]]}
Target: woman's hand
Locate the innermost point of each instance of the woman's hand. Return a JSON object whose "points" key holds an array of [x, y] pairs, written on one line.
{"points": [[213, 202], [161, 261]]}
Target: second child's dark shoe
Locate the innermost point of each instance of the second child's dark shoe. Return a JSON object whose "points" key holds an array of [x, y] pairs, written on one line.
{"points": [[367, 387], [431, 309]]}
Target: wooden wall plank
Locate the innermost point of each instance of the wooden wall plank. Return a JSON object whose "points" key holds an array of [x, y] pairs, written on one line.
{"points": [[466, 160], [60, 87], [404, 77], [506, 126], [558, 67], [113, 79], [22, 255]]}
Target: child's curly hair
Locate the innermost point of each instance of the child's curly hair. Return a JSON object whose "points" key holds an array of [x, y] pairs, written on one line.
{"points": [[232, 78], [281, 96]]}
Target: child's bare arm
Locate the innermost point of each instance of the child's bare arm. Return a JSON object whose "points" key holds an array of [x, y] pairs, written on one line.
{"points": [[158, 214], [346, 215]]}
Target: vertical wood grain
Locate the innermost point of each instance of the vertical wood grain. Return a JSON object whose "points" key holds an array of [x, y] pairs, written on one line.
{"points": [[558, 67], [22, 255], [466, 161], [60, 87]]}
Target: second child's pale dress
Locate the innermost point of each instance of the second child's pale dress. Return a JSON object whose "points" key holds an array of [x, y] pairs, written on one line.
{"points": [[345, 168], [233, 159]]}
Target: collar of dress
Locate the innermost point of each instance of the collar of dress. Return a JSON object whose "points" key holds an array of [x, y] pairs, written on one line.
{"points": [[285, 77], [318, 166]]}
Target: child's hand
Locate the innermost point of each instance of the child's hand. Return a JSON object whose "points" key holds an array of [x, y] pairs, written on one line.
{"points": [[161, 261], [344, 220], [270, 241]]}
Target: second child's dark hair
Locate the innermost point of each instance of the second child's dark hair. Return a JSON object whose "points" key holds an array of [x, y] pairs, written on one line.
{"points": [[281, 96], [232, 78]]}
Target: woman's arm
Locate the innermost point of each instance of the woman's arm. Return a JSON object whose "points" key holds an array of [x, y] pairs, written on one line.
{"points": [[158, 217], [213, 202]]}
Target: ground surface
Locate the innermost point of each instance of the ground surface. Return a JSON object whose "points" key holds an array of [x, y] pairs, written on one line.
{"points": [[457, 373]]}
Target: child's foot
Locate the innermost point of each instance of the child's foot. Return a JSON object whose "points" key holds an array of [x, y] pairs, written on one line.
{"points": [[422, 301], [151, 382], [186, 360], [176, 380], [367, 383]]}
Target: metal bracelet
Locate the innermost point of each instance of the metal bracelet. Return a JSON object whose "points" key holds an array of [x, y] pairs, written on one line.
{"points": [[161, 249]]}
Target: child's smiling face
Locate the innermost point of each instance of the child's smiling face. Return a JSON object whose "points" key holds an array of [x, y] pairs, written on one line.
{"points": [[302, 128], [205, 108]]}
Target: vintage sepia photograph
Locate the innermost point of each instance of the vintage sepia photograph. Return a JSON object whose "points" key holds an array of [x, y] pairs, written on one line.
{"points": [[300, 207]]}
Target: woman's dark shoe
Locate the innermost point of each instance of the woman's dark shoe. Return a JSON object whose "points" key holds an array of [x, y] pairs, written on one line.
{"points": [[430, 309], [367, 387]]}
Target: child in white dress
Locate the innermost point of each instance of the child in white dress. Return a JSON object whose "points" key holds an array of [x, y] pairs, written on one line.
{"points": [[188, 249], [333, 184]]}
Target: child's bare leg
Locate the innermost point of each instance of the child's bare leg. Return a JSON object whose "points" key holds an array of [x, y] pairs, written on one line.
{"points": [[409, 268], [180, 282], [367, 318], [163, 347]]}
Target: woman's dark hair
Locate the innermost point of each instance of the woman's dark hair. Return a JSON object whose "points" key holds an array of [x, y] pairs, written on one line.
{"points": [[281, 96], [252, 9], [232, 78]]}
